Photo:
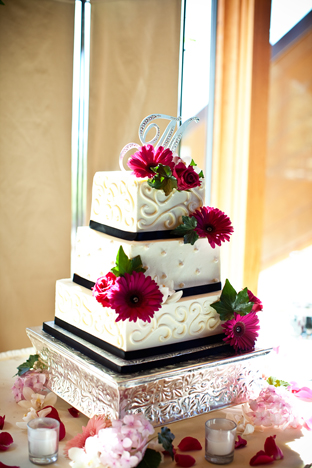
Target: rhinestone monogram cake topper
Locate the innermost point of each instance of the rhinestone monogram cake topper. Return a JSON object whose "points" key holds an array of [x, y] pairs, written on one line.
{"points": [[168, 139]]}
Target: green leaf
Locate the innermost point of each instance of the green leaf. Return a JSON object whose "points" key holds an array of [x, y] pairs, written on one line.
{"points": [[163, 179], [27, 365], [242, 305], [191, 237], [151, 459], [277, 382], [231, 302], [201, 175], [136, 264], [125, 265], [165, 437], [193, 163], [189, 224]]}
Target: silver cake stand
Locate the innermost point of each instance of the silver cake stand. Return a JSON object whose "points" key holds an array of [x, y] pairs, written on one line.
{"points": [[164, 395]]}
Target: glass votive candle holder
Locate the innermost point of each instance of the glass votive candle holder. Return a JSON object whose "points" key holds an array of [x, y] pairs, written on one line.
{"points": [[43, 440], [220, 437]]}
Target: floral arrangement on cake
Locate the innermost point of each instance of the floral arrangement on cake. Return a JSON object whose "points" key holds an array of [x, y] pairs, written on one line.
{"points": [[132, 294], [207, 222], [164, 170], [239, 311]]}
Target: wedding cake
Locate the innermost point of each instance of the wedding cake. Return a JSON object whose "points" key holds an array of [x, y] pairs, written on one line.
{"points": [[147, 268]]}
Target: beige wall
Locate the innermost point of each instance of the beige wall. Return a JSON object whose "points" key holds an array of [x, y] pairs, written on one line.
{"points": [[35, 120]]}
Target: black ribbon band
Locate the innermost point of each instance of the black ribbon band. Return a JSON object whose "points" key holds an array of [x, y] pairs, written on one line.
{"points": [[130, 355], [132, 236], [193, 291]]}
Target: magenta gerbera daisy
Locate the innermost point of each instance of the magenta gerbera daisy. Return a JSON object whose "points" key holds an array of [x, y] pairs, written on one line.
{"points": [[147, 157], [135, 297], [242, 331], [213, 224]]}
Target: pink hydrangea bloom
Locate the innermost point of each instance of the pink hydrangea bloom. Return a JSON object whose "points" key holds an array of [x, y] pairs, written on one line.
{"points": [[33, 379]]}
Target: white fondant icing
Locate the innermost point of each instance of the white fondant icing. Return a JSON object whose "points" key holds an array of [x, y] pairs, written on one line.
{"points": [[188, 319], [96, 254], [122, 201]]}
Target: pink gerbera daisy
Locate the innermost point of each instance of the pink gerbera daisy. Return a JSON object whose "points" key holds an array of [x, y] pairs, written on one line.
{"points": [[213, 224], [95, 424], [147, 157], [257, 307], [242, 331], [135, 297]]}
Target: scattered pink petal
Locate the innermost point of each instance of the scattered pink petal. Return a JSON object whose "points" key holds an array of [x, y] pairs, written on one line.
{"points": [[261, 458], [74, 412], [5, 441], [54, 414], [189, 443], [308, 424], [272, 449], [2, 465], [276, 349], [2, 418], [184, 460], [240, 442], [301, 392]]}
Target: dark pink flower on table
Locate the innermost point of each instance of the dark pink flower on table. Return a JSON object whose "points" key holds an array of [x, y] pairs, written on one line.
{"points": [[54, 415], [95, 424], [5, 441], [213, 224], [189, 443], [148, 157], [73, 412], [240, 442], [261, 458], [2, 418], [272, 449], [184, 460], [186, 177], [101, 288], [242, 331], [135, 297], [257, 307]]}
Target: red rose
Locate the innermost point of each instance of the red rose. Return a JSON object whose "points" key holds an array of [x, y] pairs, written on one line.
{"points": [[101, 288], [186, 177]]}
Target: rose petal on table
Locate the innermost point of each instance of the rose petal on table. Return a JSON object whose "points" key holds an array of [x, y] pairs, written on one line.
{"points": [[189, 443], [272, 449], [5, 441], [261, 458], [54, 414], [2, 418], [74, 412], [2, 465], [184, 460], [240, 442]]}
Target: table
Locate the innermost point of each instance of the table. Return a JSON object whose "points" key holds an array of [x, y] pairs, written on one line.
{"points": [[295, 444]]}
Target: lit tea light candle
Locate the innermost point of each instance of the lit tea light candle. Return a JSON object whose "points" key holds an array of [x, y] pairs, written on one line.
{"points": [[43, 439], [219, 440]]}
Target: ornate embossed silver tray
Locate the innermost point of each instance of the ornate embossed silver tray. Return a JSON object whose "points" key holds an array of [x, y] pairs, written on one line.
{"points": [[163, 395]]}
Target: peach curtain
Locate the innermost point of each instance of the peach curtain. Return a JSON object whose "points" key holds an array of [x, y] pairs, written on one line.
{"points": [[240, 132]]}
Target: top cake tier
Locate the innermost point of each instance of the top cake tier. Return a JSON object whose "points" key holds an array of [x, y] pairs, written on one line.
{"points": [[123, 202]]}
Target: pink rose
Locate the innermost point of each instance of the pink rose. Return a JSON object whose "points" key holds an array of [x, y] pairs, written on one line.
{"points": [[186, 177], [257, 307], [102, 287]]}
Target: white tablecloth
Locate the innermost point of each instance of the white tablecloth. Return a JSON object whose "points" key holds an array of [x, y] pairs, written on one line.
{"points": [[295, 444]]}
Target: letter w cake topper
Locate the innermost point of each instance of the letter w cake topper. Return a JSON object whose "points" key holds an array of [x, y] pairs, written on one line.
{"points": [[166, 140]]}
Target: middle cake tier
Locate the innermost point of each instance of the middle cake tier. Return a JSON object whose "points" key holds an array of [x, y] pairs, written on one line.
{"points": [[193, 268]]}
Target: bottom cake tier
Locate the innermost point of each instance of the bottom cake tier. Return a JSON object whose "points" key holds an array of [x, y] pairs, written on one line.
{"points": [[163, 395]]}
